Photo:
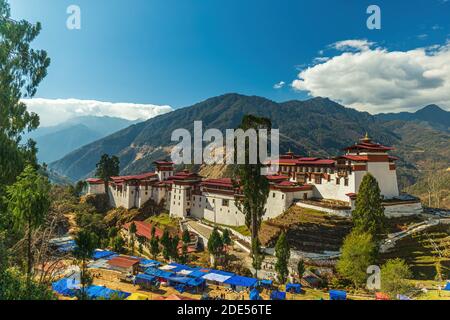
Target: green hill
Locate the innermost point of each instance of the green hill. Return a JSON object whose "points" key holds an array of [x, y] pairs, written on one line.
{"points": [[316, 127]]}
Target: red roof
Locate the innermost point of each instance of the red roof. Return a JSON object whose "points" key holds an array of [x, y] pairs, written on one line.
{"points": [[354, 158], [142, 176], [144, 229], [368, 145], [123, 262], [304, 161], [277, 177], [224, 182], [163, 163], [94, 181], [184, 175]]}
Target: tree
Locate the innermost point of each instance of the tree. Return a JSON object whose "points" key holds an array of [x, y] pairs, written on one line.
{"points": [[283, 254], [154, 247], [118, 244], [22, 70], [215, 245], [79, 187], [166, 242], [368, 215], [186, 237], [29, 202], [133, 231], [358, 253], [394, 277], [257, 256], [85, 246], [173, 251], [254, 185], [301, 268], [226, 239], [107, 167]]}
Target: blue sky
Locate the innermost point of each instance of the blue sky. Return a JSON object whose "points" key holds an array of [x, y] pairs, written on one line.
{"points": [[177, 53]]}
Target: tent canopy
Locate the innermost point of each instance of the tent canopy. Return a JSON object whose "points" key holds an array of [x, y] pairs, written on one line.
{"points": [[278, 295], [266, 283], [145, 277], [99, 292], [103, 254], [447, 286], [212, 276], [254, 295], [66, 287], [159, 273], [338, 295], [294, 287], [146, 263], [241, 281]]}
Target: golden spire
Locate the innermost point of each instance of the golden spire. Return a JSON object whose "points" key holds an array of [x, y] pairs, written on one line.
{"points": [[366, 137]]}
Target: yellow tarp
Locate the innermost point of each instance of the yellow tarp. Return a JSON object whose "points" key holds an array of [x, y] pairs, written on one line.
{"points": [[138, 296]]}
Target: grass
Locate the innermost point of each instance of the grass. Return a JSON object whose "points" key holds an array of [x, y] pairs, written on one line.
{"points": [[163, 220], [418, 251], [240, 229]]}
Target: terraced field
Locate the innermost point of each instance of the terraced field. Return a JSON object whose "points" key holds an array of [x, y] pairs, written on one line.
{"points": [[307, 230]]}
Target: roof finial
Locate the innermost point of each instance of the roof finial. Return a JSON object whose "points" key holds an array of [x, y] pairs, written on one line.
{"points": [[366, 137]]}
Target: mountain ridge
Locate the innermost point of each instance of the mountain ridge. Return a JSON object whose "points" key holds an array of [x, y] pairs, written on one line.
{"points": [[317, 127]]}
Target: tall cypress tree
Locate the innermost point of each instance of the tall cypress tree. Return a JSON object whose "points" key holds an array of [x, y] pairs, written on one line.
{"points": [[368, 215], [254, 185], [283, 254]]}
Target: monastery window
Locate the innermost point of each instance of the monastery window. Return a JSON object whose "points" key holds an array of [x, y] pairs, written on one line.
{"points": [[338, 180], [346, 182], [329, 178], [178, 204], [310, 178], [273, 194], [318, 179], [282, 196], [225, 202]]}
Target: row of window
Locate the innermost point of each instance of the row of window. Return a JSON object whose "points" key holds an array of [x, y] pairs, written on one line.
{"points": [[306, 169]]}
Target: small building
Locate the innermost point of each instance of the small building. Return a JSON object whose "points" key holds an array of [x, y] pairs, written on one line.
{"points": [[124, 264]]}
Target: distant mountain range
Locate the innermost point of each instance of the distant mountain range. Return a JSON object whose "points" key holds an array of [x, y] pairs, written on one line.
{"points": [[316, 127], [431, 114], [55, 142]]}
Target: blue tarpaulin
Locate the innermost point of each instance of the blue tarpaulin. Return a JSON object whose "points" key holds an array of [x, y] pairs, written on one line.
{"points": [[294, 287], [254, 295], [66, 287], [278, 295], [198, 273], [266, 283], [179, 267], [159, 273], [338, 295], [103, 254], [240, 281], [447, 287], [146, 263], [99, 292], [144, 278], [187, 281]]}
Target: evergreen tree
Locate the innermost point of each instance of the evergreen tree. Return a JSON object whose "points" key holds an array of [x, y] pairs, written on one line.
{"points": [[186, 237], [29, 202], [166, 243], [257, 256], [226, 239], [254, 185], [133, 231], [283, 254], [215, 245], [368, 215], [395, 275], [118, 244], [358, 253], [85, 246], [106, 168], [154, 247], [301, 268]]}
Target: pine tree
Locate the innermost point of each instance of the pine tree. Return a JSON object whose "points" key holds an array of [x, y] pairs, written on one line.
{"points": [[368, 215], [86, 242], [154, 247], [283, 254]]}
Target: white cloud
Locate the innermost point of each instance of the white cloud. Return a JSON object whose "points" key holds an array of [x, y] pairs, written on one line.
{"points": [[349, 45], [376, 80], [279, 85], [55, 111]]}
